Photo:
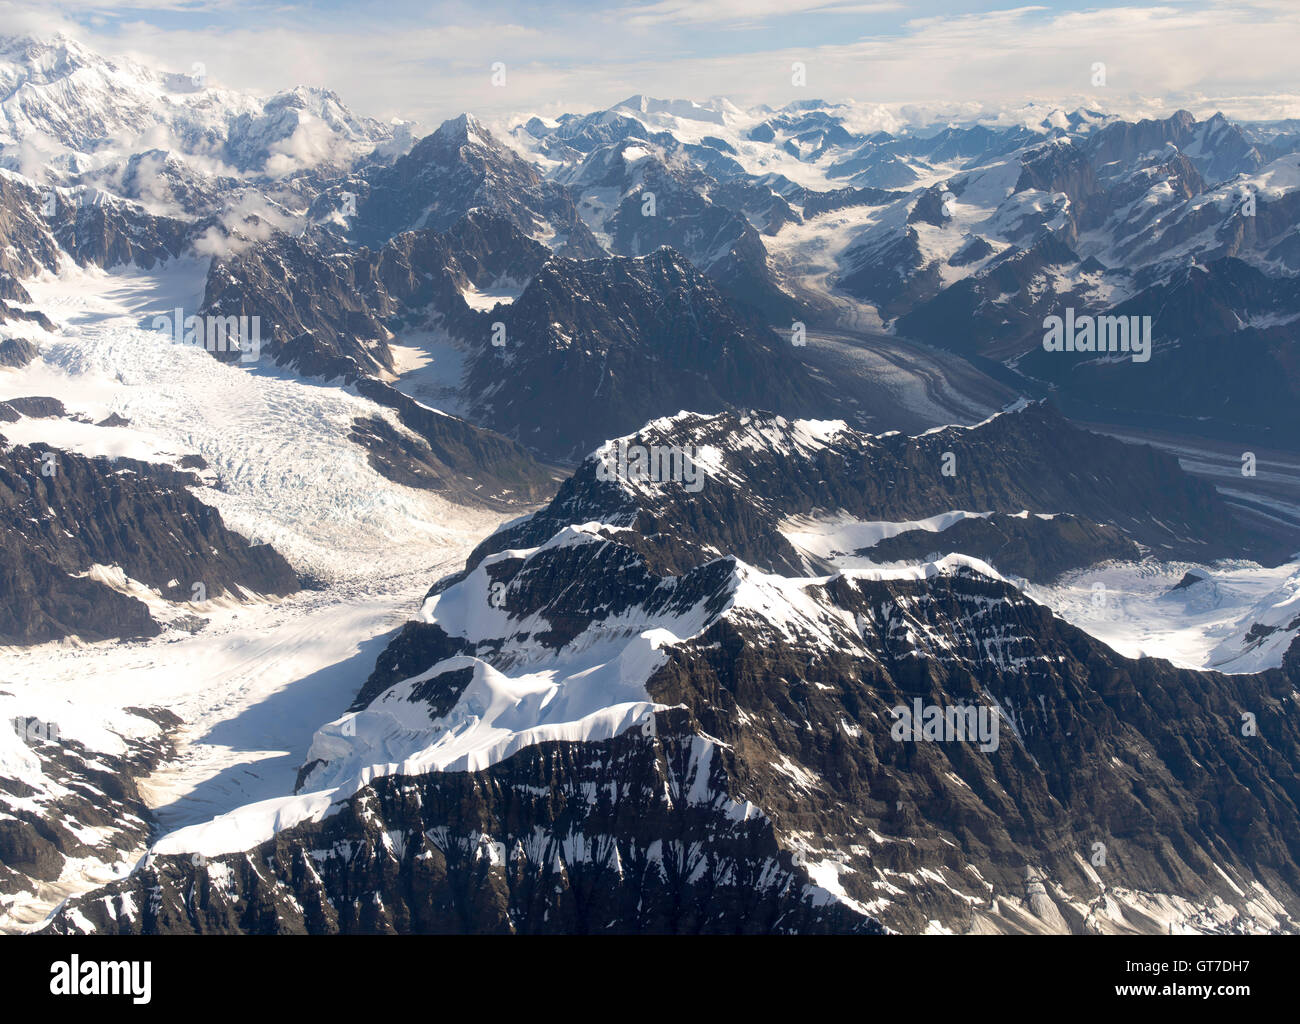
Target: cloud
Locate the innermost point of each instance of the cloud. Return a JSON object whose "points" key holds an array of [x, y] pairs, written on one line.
{"points": [[312, 143], [427, 64], [250, 219], [695, 12]]}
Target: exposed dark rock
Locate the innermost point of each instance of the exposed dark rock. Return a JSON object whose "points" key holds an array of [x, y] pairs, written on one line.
{"points": [[62, 513], [37, 407], [658, 863], [1190, 579], [594, 349], [1029, 460], [459, 168], [817, 203], [16, 352], [1035, 549], [779, 749], [93, 810]]}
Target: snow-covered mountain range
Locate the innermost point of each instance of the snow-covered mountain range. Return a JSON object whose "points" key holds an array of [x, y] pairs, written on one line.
{"points": [[582, 503], [603, 725]]}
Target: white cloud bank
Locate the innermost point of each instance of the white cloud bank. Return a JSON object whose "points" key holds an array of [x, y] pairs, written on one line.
{"points": [[436, 61]]}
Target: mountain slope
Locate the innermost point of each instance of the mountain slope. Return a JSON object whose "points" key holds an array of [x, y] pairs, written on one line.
{"points": [[459, 168], [593, 349], [63, 515], [734, 737]]}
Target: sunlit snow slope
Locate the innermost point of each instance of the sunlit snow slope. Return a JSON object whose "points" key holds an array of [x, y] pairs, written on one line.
{"points": [[250, 681]]}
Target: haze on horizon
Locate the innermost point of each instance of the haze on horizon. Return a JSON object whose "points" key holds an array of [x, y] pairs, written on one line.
{"points": [[408, 60]]}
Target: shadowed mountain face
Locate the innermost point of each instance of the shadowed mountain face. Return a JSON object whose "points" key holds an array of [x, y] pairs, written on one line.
{"points": [[458, 168], [596, 348], [588, 349], [1019, 545], [1205, 355], [970, 237], [1031, 460], [62, 514], [41, 227], [332, 313], [719, 744]]}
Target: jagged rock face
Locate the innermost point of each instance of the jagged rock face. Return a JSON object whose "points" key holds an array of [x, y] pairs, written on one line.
{"points": [[890, 271], [37, 228], [27, 244], [9, 314], [874, 167], [973, 145], [112, 234], [1030, 547], [991, 326], [805, 705], [767, 210], [1204, 354], [1219, 149], [332, 316], [313, 308], [667, 194], [575, 135], [447, 454], [590, 348], [593, 349], [1096, 756], [1061, 168], [72, 802], [330, 313], [1099, 218], [62, 514], [817, 203], [761, 781], [16, 352], [35, 406], [563, 838], [157, 177], [1033, 460], [456, 169]]}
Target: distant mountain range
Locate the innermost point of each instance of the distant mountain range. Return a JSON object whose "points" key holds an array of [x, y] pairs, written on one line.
{"points": [[967, 236]]}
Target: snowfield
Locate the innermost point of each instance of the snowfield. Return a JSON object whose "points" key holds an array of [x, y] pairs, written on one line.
{"points": [[1130, 606], [1201, 626], [257, 678], [277, 447]]}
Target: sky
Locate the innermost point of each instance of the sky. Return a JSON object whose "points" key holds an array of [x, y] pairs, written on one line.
{"points": [[427, 61]]}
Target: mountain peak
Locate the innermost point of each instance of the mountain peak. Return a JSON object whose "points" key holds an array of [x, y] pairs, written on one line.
{"points": [[687, 110], [46, 57], [463, 129]]}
